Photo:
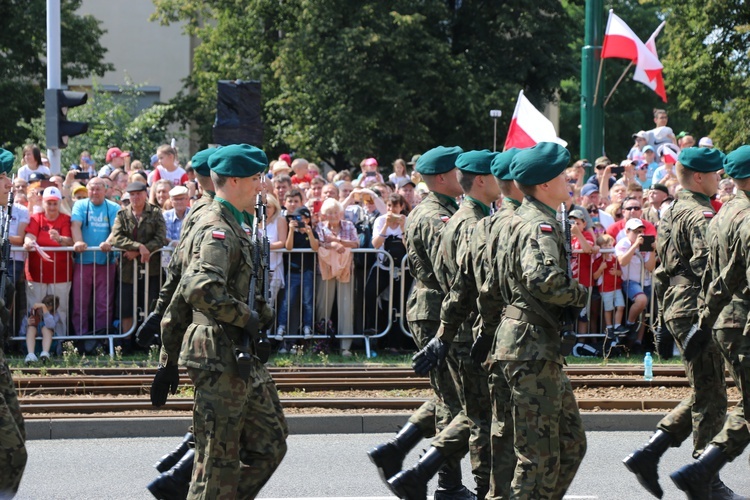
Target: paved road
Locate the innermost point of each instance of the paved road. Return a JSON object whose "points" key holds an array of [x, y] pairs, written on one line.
{"points": [[317, 466]]}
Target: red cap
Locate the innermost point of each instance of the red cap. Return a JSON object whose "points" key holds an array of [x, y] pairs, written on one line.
{"points": [[371, 162], [115, 153], [285, 157]]}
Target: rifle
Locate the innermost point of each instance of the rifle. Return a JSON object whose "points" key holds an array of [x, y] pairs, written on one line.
{"points": [[5, 251], [568, 334], [252, 330]]}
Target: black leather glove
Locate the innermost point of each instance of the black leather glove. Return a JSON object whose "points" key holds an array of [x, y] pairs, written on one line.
{"points": [[166, 380], [480, 349], [696, 339], [252, 327], [432, 356], [149, 333]]}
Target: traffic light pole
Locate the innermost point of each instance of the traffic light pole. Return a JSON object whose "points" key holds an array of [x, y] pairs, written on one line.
{"points": [[592, 113], [54, 78]]}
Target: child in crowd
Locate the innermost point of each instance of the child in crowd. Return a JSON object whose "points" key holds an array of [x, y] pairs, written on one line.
{"points": [[583, 246], [370, 174], [168, 168], [301, 175], [609, 276], [42, 316], [399, 174]]}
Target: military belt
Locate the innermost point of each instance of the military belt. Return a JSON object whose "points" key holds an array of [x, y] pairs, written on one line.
{"points": [[513, 312], [682, 280], [234, 332]]}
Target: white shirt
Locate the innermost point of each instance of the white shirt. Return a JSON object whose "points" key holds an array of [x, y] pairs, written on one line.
{"points": [[25, 172], [380, 227], [632, 272], [20, 214]]}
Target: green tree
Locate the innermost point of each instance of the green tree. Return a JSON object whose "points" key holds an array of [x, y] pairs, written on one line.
{"points": [[114, 120], [23, 69]]}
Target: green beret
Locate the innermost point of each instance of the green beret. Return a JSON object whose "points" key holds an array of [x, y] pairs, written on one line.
{"points": [[501, 164], [438, 160], [200, 161], [238, 160], [737, 163], [476, 162], [6, 161], [701, 159], [539, 164]]}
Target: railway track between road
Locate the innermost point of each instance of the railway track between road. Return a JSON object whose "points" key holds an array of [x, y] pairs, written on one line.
{"points": [[46, 392]]}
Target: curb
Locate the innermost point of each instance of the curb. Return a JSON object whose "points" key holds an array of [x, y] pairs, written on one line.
{"points": [[105, 428]]}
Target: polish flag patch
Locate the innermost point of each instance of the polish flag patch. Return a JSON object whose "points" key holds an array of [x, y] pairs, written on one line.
{"points": [[708, 215], [545, 228], [445, 218], [218, 235]]}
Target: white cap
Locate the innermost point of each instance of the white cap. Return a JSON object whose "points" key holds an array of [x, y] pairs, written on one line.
{"points": [[633, 224], [178, 191], [705, 142], [51, 193]]}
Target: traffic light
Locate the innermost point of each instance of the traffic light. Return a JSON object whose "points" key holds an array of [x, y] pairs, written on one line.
{"points": [[56, 105]]}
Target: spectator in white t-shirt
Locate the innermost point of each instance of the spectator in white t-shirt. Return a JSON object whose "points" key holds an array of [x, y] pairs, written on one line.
{"points": [[661, 134], [168, 168], [115, 159], [32, 159]]}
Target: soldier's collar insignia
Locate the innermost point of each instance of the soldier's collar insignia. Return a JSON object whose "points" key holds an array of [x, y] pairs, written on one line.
{"points": [[708, 214], [218, 235], [545, 228]]}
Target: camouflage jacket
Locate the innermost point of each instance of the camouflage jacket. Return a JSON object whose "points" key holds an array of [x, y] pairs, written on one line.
{"points": [[682, 246], [128, 234], [489, 299], [725, 285], [534, 267], [216, 283], [422, 240], [459, 309]]}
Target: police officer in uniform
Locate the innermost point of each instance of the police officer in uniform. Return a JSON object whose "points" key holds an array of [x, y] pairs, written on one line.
{"points": [[240, 429], [726, 308], [458, 314], [682, 246], [422, 232], [12, 431], [549, 439]]}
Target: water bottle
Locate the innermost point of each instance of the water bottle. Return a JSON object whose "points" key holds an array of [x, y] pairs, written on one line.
{"points": [[648, 367]]}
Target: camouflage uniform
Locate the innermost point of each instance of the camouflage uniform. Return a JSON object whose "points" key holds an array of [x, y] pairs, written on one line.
{"points": [[490, 306], [683, 249], [456, 277], [129, 234], [421, 236], [12, 431], [727, 305], [240, 429], [549, 439]]}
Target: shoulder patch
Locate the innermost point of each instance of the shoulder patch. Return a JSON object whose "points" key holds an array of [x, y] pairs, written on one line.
{"points": [[545, 228], [708, 214], [218, 235]]}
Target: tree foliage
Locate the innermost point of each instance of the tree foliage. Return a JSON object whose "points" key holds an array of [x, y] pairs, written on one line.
{"points": [[23, 70], [344, 79]]}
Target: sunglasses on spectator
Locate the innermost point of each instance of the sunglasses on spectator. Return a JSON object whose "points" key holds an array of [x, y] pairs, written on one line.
{"points": [[629, 209], [592, 210]]}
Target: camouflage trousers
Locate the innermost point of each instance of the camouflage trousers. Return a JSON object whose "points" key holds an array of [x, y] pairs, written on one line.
{"points": [[503, 461], [472, 425], [703, 412], [240, 433], [735, 348], [548, 434], [12, 434]]}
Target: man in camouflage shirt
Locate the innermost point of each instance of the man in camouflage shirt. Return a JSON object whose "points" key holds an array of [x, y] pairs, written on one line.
{"points": [[13, 454], [239, 425], [422, 232], [726, 308], [682, 246], [549, 439], [458, 314]]}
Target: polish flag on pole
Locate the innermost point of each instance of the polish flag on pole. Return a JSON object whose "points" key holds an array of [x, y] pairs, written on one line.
{"points": [[529, 127], [622, 43]]}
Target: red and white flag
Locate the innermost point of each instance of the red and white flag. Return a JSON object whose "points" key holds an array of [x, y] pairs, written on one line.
{"points": [[529, 127], [622, 43]]}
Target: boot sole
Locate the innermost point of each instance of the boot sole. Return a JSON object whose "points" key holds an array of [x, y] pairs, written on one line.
{"points": [[397, 490], [632, 466], [377, 462], [679, 481]]}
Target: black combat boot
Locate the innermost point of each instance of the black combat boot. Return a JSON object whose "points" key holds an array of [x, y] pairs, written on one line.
{"points": [[644, 463], [167, 461], [175, 483], [482, 492], [411, 484], [700, 480], [389, 457], [450, 485]]}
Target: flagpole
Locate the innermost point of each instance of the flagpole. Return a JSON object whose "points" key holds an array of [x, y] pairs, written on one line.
{"points": [[598, 79], [616, 84]]}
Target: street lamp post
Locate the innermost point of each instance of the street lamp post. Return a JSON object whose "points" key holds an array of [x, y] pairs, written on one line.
{"points": [[495, 114]]}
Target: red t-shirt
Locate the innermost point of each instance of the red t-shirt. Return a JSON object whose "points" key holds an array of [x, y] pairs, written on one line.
{"points": [[60, 269], [297, 180], [610, 282], [581, 263], [619, 227]]}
